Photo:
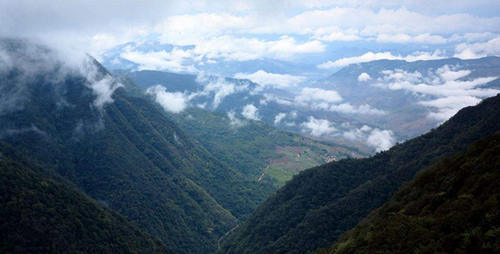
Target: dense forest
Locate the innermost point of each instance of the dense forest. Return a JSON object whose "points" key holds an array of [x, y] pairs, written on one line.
{"points": [[450, 207], [40, 214], [128, 155], [319, 204], [91, 164]]}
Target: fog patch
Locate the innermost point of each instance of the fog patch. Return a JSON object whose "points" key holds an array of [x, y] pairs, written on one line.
{"points": [[174, 102], [363, 77], [318, 127], [250, 112], [234, 121], [33, 129], [279, 117], [218, 87], [378, 139], [445, 90]]}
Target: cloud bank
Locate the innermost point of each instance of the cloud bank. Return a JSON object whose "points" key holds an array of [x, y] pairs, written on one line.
{"points": [[264, 78], [250, 112], [445, 90], [371, 56], [172, 102]]}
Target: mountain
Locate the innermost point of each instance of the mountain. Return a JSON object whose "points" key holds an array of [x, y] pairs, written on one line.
{"points": [[416, 96], [118, 148], [388, 100], [43, 215], [450, 207], [319, 204], [127, 56], [257, 150], [274, 106]]}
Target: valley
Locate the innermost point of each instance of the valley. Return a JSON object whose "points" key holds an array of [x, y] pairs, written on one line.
{"points": [[249, 127]]}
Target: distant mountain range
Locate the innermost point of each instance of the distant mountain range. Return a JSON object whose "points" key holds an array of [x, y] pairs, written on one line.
{"points": [[157, 162], [375, 104]]}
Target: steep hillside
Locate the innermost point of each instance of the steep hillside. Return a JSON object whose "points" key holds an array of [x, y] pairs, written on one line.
{"points": [[42, 215], [450, 207], [319, 204], [256, 149], [121, 150]]}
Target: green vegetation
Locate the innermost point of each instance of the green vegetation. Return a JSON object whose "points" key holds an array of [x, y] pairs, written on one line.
{"points": [[450, 207], [321, 203], [41, 215], [256, 149], [127, 155]]}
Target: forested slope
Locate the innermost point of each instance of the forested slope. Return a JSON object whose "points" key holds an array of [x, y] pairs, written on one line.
{"points": [[119, 148], [450, 207], [40, 214], [319, 204]]}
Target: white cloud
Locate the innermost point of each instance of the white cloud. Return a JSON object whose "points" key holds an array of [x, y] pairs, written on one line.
{"points": [[172, 102], [363, 77], [250, 112], [279, 117], [396, 20], [273, 98], [176, 60], [347, 108], [318, 127], [191, 29], [309, 94], [381, 140], [478, 50], [446, 89], [405, 38], [448, 74], [198, 22], [336, 34], [321, 99], [449, 106], [234, 121], [370, 56], [219, 87], [243, 49], [271, 79], [103, 87]]}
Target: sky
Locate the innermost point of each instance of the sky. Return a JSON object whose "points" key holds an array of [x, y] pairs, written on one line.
{"points": [[317, 36]]}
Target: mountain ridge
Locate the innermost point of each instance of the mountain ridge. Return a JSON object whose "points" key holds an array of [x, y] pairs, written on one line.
{"points": [[448, 207], [318, 204]]}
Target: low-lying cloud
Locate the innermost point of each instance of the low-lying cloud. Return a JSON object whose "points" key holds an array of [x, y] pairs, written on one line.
{"points": [[380, 140], [177, 60], [309, 94], [445, 90], [250, 112], [174, 102], [234, 121], [478, 50], [279, 117], [264, 79], [371, 56], [364, 77], [318, 127], [329, 100]]}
